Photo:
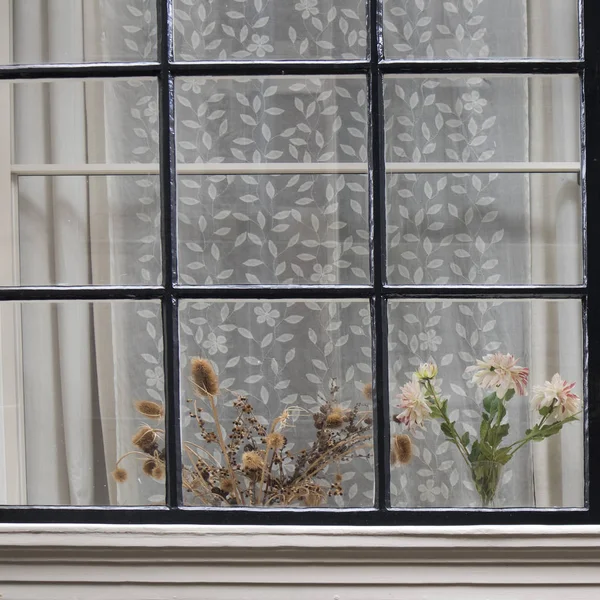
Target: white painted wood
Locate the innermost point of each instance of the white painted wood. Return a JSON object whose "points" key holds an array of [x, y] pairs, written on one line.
{"points": [[321, 563], [12, 472], [293, 168]]}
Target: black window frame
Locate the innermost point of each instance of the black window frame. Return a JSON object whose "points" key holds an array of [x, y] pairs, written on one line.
{"points": [[166, 69]]}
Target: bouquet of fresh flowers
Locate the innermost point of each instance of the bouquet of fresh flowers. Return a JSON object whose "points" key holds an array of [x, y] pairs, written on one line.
{"points": [[553, 403]]}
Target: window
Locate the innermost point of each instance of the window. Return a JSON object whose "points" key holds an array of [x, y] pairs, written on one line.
{"points": [[313, 262]]}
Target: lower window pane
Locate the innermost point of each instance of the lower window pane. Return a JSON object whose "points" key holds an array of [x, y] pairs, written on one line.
{"points": [[507, 437], [276, 403], [81, 400]]}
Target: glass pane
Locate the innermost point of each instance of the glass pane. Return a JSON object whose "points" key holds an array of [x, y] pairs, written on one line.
{"points": [[71, 31], [484, 228], [75, 230], [270, 29], [273, 229], [272, 120], [512, 438], [76, 122], [81, 397], [482, 119], [276, 186], [289, 382], [463, 29]]}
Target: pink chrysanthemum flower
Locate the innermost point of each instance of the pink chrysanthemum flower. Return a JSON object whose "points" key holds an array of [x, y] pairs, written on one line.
{"points": [[500, 373], [415, 408], [558, 392]]}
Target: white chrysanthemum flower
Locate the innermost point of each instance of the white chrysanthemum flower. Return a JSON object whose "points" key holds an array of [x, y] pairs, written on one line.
{"points": [[559, 392], [500, 373], [415, 408]]}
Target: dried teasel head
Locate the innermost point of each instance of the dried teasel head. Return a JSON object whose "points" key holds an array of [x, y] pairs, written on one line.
{"points": [[401, 449], [144, 439], [149, 466], [119, 475], [227, 485], [368, 391], [252, 461], [313, 495], [335, 417], [149, 409], [158, 472], [204, 377], [275, 440]]}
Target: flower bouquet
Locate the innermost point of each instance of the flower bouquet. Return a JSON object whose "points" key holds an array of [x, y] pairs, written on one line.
{"points": [[553, 403]]}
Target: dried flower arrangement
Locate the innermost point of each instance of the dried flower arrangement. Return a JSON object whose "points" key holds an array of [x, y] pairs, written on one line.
{"points": [[554, 404], [255, 464]]}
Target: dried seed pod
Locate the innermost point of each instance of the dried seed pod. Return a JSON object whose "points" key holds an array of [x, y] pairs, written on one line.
{"points": [[204, 377], [401, 449], [149, 409], [144, 439], [119, 475]]}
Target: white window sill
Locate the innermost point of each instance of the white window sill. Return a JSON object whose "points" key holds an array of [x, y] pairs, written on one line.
{"points": [[222, 563]]}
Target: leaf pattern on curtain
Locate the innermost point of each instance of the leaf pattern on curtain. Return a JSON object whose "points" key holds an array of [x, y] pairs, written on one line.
{"points": [[455, 29], [464, 221], [270, 29]]}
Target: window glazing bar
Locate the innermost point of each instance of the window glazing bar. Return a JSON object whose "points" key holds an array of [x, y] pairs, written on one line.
{"points": [[24, 170]]}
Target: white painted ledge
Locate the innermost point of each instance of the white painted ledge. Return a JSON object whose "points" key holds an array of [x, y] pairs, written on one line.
{"points": [[294, 563]]}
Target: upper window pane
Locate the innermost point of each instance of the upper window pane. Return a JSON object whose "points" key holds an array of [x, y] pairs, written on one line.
{"points": [[71, 31], [480, 29], [270, 29], [472, 118]]}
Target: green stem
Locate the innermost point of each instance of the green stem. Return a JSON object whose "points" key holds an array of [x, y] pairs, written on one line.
{"points": [[455, 437]]}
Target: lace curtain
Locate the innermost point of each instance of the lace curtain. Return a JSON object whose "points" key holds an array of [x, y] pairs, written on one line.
{"points": [[312, 228]]}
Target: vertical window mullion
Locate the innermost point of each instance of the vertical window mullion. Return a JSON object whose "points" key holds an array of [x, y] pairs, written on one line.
{"points": [[591, 195], [378, 261], [168, 174]]}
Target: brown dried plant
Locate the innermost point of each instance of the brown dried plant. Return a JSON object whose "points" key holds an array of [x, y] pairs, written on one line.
{"points": [[255, 464]]}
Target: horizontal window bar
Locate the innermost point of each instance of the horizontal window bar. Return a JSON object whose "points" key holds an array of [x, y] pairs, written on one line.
{"points": [[191, 169], [281, 67], [78, 71], [286, 292], [484, 167], [294, 168], [517, 67], [300, 516], [22, 294], [477, 291], [245, 68]]}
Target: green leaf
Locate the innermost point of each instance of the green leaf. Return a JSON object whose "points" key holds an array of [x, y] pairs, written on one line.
{"points": [[488, 403]]}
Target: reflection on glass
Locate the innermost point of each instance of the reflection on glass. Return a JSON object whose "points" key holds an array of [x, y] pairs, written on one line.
{"points": [[432, 29], [485, 399], [270, 30], [76, 230], [75, 122], [63, 31], [276, 403], [266, 229], [79, 380], [484, 228]]}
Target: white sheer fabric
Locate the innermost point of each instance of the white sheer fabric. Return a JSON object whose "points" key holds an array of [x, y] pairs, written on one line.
{"points": [[95, 361]]}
